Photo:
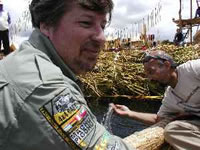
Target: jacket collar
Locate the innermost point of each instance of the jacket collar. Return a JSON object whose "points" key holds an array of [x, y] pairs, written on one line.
{"points": [[42, 43]]}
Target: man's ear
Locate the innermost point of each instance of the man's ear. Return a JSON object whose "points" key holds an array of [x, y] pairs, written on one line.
{"points": [[45, 29]]}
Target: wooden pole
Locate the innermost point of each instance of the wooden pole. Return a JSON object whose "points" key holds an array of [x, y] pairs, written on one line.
{"points": [[180, 17], [191, 24]]}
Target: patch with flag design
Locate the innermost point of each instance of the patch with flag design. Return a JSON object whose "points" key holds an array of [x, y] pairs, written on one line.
{"points": [[70, 119]]}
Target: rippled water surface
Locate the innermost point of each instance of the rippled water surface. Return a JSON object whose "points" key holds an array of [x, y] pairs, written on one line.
{"points": [[122, 126]]}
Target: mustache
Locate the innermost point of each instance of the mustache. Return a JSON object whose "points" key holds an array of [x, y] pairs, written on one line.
{"points": [[158, 83], [93, 45]]}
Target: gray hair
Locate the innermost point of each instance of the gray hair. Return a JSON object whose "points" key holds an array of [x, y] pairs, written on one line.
{"points": [[160, 55]]}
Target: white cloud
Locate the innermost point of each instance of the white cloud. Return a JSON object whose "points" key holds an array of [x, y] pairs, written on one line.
{"points": [[127, 12]]}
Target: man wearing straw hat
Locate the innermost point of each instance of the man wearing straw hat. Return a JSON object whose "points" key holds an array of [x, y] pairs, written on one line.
{"points": [[4, 29]]}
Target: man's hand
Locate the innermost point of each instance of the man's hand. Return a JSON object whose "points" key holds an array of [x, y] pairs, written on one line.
{"points": [[121, 109], [147, 118]]}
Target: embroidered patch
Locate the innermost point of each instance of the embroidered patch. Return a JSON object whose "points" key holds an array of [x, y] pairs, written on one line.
{"points": [[71, 120], [77, 118], [82, 131]]}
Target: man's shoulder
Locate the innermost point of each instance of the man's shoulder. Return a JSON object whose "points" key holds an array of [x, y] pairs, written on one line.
{"points": [[48, 71], [193, 67], [31, 66], [189, 65]]}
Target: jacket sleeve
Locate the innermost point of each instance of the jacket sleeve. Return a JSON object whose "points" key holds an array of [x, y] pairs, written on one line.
{"points": [[79, 126], [9, 110], [68, 113]]}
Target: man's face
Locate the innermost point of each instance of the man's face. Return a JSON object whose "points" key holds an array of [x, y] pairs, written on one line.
{"points": [[78, 38], [157, 71]]}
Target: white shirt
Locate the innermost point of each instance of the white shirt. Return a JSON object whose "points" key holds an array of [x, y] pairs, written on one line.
{"points": [[4, 16], [185, 97]]}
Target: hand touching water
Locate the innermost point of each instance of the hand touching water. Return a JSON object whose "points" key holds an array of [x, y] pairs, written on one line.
{"points": [[121, 109]]}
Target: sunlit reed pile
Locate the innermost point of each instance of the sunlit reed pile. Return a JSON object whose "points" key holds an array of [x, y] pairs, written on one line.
{"points": [[121, 73]]}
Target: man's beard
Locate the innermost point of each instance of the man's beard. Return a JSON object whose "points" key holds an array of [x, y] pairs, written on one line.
{"points": [[85, 66], [160, 84], [163, 84]]}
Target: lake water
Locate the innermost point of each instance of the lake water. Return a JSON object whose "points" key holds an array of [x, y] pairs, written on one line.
{"points": [[122, 126]]}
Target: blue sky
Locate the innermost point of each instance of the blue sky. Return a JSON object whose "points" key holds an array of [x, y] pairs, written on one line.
{"points": [[126, 13]]}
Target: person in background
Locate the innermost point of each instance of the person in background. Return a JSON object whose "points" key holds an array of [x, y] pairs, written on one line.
{"points": [[154, 43], [180, 103], [197, 13], [4, 29], [42, 106], [178, 38]]}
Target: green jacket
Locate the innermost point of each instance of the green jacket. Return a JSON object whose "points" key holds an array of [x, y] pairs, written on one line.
{"points": [[42, 106]]}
